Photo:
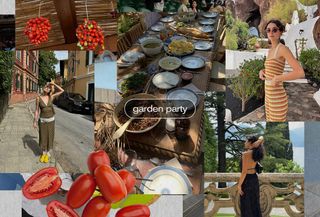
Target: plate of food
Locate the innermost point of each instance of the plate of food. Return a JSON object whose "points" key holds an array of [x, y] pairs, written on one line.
{"points": [[206, 29], [210, 14], [180, 48], [193, 62], [186, 17], [183, 97], [165, 80], [166, 180], [146, 121], [207, 21], [157, 27], [168, 19], [203, 45], [131, 56], [170, 63]]}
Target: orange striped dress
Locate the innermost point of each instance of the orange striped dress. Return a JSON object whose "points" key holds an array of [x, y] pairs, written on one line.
{"points": [[276, 100]]}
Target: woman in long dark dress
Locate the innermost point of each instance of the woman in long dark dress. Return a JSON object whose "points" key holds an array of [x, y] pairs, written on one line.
{"points": [[248, 186]]}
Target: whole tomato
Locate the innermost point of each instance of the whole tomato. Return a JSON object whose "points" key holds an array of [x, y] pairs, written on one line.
{"points": [[81, 190], [128, 179], [110, 184], [97, 207], [134, 211], [96, 159]]}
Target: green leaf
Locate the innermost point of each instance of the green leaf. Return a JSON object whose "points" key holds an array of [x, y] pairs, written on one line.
{"points": [[132, 199]]}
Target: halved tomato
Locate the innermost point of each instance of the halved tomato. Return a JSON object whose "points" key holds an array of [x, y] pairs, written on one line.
{"points": [[110, 184], [57, 209], [81, 190], [42, 184], [97, 158], [97, 207], [134, 211], [128, 179]]}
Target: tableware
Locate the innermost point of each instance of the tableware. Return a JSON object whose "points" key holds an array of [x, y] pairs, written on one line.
{"points": [[187, 17], [146, 38], [179, 48], [152, 46], [166, 180], [120, 108], [157, 27], [193, 62], [131, 56], [165, 80], [168, 19], [202, 45], [170, 63], [206, 29], [210, 14], [183, 97], [207, 21], [186, 77]]}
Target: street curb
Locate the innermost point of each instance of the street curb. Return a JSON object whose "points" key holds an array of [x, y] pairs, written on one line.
{"points": [[57, 164]]}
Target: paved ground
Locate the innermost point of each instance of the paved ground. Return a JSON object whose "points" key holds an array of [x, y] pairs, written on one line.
{"points": [[312, 173], [275, 211], [302, 105], [19, 149]]}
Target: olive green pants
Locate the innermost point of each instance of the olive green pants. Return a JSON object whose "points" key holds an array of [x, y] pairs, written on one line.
{"points": [[46, 135]]}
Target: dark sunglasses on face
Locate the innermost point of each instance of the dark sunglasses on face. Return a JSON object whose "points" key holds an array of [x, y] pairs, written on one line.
{"points": [[274, 30]]}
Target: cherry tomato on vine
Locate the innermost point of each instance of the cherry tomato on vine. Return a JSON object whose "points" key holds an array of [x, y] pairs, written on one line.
{"points": [[110, 184], [81, 191], [43, 183], [134, 211], [97, 207]]}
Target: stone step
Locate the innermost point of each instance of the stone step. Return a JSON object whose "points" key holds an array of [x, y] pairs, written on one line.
{"points": [[218, 70]]}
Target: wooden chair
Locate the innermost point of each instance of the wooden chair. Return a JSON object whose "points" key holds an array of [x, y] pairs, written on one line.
{"points": [[135, 32], [123, 44]]}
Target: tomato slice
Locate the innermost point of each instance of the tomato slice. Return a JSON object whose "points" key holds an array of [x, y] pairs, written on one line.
{"points": [[43, 183], [110, 184], [57, 209], [128, 179], [81, 190], [96, 159], [97, 207], [134, 211]]}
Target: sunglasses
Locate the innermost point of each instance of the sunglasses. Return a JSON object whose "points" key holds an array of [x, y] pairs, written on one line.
{"points": [[274, 30]]}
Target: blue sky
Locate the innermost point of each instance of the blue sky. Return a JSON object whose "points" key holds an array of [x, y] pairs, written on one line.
{"points": [[60, 55], [105, 75]]}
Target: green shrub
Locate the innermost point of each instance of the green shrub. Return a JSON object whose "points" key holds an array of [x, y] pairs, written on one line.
{"points": [[6, 64], [247, 84], [241, 29], [252, 43], [229, 19], [126, 21], [310, 60], [302, 15], [308, 2], [231, 40], [280, 165], [282, 10]]}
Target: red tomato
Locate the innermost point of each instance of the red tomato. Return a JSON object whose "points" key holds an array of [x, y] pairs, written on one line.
{"points": [[110, 184], [128, 179], [57, 209], [81, 191], [42, 184], [134, 211], [96, 159], [97, 207]]}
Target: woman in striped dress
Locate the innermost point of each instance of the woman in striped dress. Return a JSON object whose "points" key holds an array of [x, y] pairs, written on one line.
{"points": [[276, 101]]}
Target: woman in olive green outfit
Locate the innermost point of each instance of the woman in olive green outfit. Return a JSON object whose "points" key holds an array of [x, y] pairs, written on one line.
{"points": [[44, 118]]}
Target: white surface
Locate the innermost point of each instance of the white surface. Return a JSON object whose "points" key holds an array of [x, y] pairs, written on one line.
{"points": [[165, 206], [316, 96], [293, 34], [7, 6], [10, 203], [235, 58]]}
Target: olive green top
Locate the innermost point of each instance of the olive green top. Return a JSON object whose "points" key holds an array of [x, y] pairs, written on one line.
{"points": [[46, 110]]}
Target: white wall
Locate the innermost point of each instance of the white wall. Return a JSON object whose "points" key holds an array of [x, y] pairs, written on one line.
{"points": [[235, 58], [7, 6]]}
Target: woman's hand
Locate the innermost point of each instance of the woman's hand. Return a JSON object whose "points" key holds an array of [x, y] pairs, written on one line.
{"points": [[261, 74], [35, 125], [240, 190]]}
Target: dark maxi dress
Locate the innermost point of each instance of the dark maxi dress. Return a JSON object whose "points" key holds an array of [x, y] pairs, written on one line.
{"points": [[250, 200]]}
